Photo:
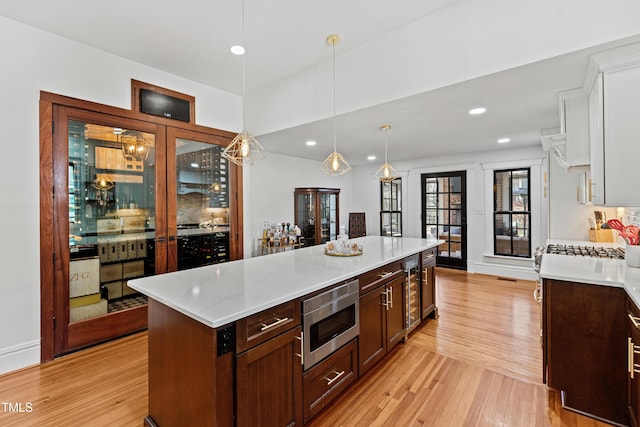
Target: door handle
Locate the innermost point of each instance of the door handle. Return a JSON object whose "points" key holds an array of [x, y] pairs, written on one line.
{"points": [[301, 354], [160, 239]]}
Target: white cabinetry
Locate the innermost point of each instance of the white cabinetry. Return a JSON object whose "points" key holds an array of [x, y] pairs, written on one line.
{"points": [[570, 147], [614, 113]]}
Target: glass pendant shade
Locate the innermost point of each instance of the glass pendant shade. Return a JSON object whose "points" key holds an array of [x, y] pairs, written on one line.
{"points": [[244, 150], [335, 164]]}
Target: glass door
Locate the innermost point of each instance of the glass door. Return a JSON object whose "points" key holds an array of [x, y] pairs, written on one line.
{"points": [[109, 213], [328, 216], [199, 182], [444, 216]]}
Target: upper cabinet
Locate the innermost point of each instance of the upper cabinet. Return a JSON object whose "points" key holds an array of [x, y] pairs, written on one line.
{"points": [[613, 80], [570, 147]]}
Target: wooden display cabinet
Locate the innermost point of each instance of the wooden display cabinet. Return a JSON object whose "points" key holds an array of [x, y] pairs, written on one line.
{"points": [[317, 213], [120, 209]]}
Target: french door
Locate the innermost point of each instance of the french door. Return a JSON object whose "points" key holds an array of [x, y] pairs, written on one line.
{"points": [[444, 216], [131, 198]]}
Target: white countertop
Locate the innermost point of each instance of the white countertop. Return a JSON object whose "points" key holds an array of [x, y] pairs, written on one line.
{"points": [[596, 271], [222, 293]]}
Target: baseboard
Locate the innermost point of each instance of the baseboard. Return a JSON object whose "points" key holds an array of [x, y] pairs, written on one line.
{"points": [[19, 356], [512, 271]]}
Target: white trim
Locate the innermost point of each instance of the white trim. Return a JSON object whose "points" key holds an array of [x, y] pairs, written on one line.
{"points": [[512, 165], [444, 168], [19, 356], [502, 270]]}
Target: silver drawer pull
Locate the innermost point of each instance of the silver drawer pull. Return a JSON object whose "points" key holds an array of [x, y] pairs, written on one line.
{"points": [[635, 320], [385, 273], [276, 323], [334, 379], [301, 354], [390, 290]]}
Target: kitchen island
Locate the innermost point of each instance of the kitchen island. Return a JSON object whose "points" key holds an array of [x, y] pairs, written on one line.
{"points": [[203, 337]]}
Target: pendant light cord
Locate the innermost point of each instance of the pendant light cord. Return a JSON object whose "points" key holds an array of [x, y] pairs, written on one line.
{"points": [[335, 125], [385, 145], [244, 73]]}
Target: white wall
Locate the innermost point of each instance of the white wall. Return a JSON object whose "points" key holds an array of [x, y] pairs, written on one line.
{"points": [[33, 60], [568, 218], [269, 192], [479, 198], [467, 40]]}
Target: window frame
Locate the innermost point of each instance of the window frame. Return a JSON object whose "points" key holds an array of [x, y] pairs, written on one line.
{"points": [[395, 188], [510, 212]]}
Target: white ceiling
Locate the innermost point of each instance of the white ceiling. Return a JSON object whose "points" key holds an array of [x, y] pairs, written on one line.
{"points": [[191, 38]]}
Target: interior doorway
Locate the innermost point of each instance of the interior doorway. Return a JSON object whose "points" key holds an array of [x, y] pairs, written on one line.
{"points": [[444, 215]]}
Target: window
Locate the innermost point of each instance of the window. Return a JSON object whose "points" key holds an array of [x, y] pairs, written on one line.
{"points": [[391, 208], [512, 212]]}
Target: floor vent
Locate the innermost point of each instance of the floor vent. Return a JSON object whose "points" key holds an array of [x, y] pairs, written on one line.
{"points": [[508, 279]]}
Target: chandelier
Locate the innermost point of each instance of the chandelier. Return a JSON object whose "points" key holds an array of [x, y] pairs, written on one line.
{"points": [[386, 172], [244, 149], [335, 164]]}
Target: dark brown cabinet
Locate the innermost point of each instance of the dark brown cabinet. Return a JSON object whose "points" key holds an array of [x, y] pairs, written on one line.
{"points": [[269, 367], [428, 284], [127, 186], [325, 381], [633, 363], [317, 214], [585, 344], [269, 382], [381, 313]]}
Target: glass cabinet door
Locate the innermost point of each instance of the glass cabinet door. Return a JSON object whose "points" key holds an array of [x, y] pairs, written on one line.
{"points": [[201, 196], [305, 216], [108, 212], [328, 211]]}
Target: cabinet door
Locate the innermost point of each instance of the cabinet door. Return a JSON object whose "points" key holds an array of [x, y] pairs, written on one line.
{"points": [[621, 89], [199, 186], [596, 143], [633, 360], [109, 223], [586, 347], [373, 329], [428, 291], [269, 382], [395, 312]]}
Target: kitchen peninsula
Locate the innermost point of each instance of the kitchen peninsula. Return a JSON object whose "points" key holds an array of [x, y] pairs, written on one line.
{"points": [[222, 337]]}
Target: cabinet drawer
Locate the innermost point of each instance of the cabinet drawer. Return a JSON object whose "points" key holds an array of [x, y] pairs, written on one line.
{"points": [[325, 381], [429, 258], [379, 276], [267, 324]]}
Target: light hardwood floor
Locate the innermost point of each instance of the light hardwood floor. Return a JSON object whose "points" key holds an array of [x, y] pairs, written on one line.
{"points": [[479, 364]]}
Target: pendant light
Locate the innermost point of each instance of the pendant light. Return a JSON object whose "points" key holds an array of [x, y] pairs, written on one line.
{"points": [[386, 172], [244, 149], [335, 164]]}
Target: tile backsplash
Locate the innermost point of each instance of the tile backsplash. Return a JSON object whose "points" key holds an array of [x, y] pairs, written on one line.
{"points": [[631, 216]]}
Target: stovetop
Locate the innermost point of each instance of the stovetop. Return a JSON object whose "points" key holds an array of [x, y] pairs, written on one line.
{"points": [[592, 251]]}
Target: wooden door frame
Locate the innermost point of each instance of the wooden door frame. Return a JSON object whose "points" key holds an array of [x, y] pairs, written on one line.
{"points": [[47, 182]]}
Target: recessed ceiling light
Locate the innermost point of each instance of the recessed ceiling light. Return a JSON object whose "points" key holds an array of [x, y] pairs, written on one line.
{"points": [[371, 157], [310, 143], [477, 110], [504, 140], [237, 50]]}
